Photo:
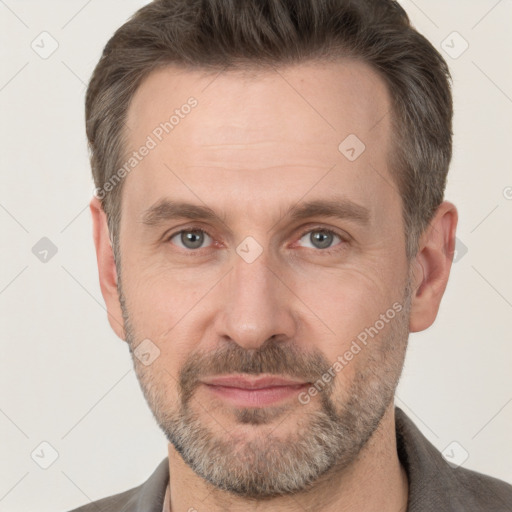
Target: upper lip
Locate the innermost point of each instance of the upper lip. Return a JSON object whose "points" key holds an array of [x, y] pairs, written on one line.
{"points": [[244, 382]]}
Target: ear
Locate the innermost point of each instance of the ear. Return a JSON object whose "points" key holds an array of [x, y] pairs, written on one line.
{"points": [[432, 266], [106, 267]]}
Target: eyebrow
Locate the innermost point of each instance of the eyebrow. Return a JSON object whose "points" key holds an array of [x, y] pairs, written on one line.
{"points": [[340, 208]]}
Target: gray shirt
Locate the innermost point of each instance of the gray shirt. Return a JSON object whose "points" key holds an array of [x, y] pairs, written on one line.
{"points": [[434, 485]]}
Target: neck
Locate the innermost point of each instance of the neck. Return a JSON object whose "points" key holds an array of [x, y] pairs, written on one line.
{"points": [[375, 481]]}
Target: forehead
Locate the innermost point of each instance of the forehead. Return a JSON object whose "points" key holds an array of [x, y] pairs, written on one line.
{"points": [[277, 128], [332, 98]]}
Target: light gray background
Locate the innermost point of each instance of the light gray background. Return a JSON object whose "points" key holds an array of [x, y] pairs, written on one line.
{"points": [[66, 379]]}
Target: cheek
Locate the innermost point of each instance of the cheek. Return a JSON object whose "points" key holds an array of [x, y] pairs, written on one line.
{"points": [[159, 297], [159, 382], [347, 304], [174, 306], [347, 299]]}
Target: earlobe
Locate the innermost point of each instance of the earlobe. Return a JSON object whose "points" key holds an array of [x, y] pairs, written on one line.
{"points": [[106, 267], [432, 266]]}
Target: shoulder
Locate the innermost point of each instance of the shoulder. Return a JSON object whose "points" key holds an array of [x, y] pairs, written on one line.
{"points": [[116, 502], [434, 484], [481, 491], [147, 497]]}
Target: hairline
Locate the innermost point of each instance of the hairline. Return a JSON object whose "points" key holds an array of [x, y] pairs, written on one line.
{"points": [[246, 67]]}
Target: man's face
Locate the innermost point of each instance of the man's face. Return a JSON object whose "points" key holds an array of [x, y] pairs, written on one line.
{"points": [[256, 291]]}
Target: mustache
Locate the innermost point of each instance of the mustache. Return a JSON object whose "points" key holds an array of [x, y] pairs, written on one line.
{"points": [[274, 358]]}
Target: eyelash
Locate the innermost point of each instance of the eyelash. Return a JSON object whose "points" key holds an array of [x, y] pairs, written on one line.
{"points": [[331, 250], [343, 238]]}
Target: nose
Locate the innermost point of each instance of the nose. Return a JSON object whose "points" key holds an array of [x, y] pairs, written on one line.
{"points": [[256, 305]]}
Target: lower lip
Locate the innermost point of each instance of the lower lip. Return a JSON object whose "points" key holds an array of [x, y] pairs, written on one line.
{"points": [[256, 397]]}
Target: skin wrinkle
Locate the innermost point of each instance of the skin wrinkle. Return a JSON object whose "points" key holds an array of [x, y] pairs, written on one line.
{"points": [[279, 364], [292, 311], [184, 429], [188, 426]]}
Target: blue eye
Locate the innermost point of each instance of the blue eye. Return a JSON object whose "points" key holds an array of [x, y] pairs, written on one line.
{"points": [[321, 238], [318, 238], [190, 239]]}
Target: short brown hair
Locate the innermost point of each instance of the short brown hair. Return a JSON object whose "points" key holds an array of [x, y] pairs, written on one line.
{"points": [[224, 34]]}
